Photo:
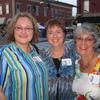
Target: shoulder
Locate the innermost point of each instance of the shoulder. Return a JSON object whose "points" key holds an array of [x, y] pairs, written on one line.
{"points": [[36, 48], [44, 52], [69, 44], [5, 48], [46, 56], [70, 48]]}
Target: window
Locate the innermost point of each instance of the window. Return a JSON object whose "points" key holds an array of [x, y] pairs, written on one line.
{"points": [[86, 6], [18, 7], [7, 8], [1, 12], [29, 8], [52, 12], [45, 11], [56, 12], [37, 10]]}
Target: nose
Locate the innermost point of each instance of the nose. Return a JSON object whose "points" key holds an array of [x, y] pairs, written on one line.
{"points": [[54, 34], [83, 44], [83, 41], [23, 30]]}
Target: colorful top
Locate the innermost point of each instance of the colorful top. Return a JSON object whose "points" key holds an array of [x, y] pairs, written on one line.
{"points": [[22, 75], [88, 84], [60, 82]]}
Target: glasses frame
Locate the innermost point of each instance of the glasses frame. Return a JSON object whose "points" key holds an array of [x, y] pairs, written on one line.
{"points": [[26, 29]]}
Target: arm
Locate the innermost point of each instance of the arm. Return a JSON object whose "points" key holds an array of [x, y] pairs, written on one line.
{"points": [[2, 97], [2, 68]]}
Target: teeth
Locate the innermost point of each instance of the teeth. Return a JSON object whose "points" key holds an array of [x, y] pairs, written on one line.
{"points": [[55, 40]]}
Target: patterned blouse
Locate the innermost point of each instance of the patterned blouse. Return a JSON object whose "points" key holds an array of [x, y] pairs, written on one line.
{"points": [[22, 75], [87, 84], [60, 86]]}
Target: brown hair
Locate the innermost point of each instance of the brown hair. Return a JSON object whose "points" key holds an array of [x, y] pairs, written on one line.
{"points": [[53, 22], [12, 23]]}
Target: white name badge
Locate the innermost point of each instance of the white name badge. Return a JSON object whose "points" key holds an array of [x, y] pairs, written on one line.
{"points": [[66, 61], [36, 58], [95, 79]]}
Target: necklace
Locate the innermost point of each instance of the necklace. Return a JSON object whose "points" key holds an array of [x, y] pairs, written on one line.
{"points": [[88, 64]]}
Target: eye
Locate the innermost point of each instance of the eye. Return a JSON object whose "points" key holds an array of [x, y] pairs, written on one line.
{"points": [[89, 39], [50, 33], [59, 32], [29, 28], [18, 28], [78, 38]]}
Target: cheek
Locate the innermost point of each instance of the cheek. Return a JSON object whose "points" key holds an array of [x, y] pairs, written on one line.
{"points": [[77, 46], [49, 38], [50, 41], [61, 40], [30, 36], [63, 37], [15, 35]]}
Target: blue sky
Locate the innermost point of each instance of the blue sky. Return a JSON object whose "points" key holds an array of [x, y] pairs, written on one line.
{"points": [[73, 2]]}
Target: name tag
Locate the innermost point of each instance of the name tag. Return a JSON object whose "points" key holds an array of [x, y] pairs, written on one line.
{"points": [[36, 58], [95, 79], [66, 61]]}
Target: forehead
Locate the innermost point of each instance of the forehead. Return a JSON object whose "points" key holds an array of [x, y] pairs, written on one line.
{"points": [[22, 20], [82, 34], [54, 27]]}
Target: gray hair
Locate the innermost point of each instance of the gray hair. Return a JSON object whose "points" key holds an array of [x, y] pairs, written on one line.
{"points": [[88, 28]]}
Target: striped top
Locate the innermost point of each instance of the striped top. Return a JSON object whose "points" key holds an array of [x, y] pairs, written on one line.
{"points": [[22, 75]]}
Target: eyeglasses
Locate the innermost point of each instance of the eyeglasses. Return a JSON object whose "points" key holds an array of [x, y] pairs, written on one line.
{"points": [[88, 39], [27, 29], [57, 33]]}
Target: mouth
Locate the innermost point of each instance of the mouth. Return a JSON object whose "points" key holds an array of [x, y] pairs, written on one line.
{"points": [[55, 40], [23, 36], [82, 48]]}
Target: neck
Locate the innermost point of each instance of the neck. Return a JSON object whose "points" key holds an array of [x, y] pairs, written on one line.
{"points": [[57, 52], [87, 58], [25, 48], [87, 62]]}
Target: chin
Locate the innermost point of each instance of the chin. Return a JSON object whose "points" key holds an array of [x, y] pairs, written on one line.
{"points": [[82, 53]]}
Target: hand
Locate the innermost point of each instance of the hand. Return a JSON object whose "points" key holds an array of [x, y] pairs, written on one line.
{"points": [[2, 97]]}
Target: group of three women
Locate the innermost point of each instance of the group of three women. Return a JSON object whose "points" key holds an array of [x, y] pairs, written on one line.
{"points": [[24, 72]]}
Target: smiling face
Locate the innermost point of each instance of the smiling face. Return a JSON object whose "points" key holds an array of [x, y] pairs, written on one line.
{"points": [[84, 44], [55, 36], [23, 31]]}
